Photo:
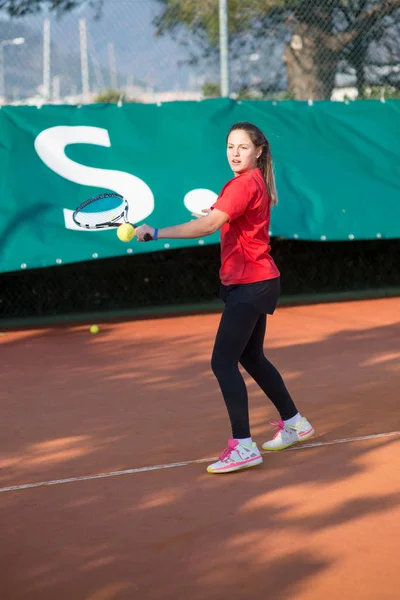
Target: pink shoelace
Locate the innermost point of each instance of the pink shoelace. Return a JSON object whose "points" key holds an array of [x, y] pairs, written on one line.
{"points": [[228, 451], [279, 426]]}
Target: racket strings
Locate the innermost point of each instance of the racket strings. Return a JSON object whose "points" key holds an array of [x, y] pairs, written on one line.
{"points": [[102, 210]]}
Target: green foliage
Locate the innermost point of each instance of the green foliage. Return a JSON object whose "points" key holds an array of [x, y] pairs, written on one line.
{"points": [[376, 92], [249, 94], [250, 20], [201, 16], [112, 97], [19, 8], [211, 90], [285, 95]]}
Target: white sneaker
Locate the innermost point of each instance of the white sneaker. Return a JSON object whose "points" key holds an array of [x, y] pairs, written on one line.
{"points": [[236, 456], [287, 435]]}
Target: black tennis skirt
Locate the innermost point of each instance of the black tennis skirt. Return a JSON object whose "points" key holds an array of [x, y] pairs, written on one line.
{"points": [[263, 295]]}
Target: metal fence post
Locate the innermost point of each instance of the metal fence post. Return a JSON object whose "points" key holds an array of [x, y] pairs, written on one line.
{"points": [[223, 47]]}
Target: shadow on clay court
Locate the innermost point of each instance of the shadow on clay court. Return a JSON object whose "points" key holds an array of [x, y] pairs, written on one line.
{"points": [[76, 405]]}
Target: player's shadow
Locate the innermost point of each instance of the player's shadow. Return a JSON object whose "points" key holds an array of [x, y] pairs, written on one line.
{"points": [[181, 534]]}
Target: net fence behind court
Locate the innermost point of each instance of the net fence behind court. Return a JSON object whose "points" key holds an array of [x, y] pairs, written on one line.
{"points": [[159, 50], [181, 278]]}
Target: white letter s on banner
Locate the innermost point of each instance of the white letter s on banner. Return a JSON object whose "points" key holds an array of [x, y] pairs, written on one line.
{"points": [[50, 146]]}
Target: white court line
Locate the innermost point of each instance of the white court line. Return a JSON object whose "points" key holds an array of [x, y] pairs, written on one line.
{"points": [[28, 486]]}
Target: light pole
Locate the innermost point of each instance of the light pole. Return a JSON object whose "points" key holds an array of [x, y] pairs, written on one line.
{"points": [[223, 48], [46, 60], [84, 60], [112, 66], [14, 42]]}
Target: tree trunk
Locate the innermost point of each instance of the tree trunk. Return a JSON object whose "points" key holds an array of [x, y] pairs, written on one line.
{"points": [[357, 59], [310, 63]]}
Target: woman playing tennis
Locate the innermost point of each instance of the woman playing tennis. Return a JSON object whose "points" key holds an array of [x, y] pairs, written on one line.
{"points": [[250, 288]]}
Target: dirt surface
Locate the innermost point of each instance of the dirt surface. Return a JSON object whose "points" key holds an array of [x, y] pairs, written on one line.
{"points": [[311, 523]]}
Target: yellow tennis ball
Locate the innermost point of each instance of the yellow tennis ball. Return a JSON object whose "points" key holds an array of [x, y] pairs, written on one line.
{"points": [[94, 329], [125, 232]]}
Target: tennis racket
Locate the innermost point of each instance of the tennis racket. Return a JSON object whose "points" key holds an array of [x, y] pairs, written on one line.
{"points": [[104, 211]]}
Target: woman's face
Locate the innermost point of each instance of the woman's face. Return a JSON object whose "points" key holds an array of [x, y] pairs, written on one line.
{"points": [[241, 152]]}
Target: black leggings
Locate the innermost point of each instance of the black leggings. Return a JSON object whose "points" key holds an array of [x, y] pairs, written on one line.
{"points": [[240, 338]]}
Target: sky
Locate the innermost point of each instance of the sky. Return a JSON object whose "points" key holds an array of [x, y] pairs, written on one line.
{"points": [[126, 24]]}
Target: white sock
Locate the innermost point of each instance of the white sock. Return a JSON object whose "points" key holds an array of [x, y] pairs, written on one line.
{"points": [[245, 441], [294, 421]]}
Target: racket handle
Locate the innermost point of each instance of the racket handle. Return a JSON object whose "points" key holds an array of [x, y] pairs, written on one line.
{"points": [[147, 237]]}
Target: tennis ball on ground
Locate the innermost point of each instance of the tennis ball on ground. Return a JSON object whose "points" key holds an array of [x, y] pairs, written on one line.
{"points": [[125, 232], [94, 329]]}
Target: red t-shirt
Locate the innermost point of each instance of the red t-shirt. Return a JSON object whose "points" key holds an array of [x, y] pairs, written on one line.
{"points": [[245, 241]]}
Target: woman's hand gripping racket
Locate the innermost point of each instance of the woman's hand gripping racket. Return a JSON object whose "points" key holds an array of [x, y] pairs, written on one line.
{"points": [[104, 211]]}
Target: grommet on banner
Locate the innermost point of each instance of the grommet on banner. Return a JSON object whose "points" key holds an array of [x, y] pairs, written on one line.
{"points": [[23, 266], [95, 255], [129, 251], [323, 238], [351, 236], [59, 261], [379, 235], [310, 102], [201, 242], [166, 246], [296, 237]]}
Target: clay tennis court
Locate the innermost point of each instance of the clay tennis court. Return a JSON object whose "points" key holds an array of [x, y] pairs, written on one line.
{"points": [[321, 521]]}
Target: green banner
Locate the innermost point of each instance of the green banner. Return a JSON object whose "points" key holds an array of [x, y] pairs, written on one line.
{"points": [[337, 167]]}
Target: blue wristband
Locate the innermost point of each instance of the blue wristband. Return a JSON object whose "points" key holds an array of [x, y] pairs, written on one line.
{"points": [[155, 236]]}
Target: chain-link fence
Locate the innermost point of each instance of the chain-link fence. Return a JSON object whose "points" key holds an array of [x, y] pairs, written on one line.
{"points": [[159, 50], [181, 278]]}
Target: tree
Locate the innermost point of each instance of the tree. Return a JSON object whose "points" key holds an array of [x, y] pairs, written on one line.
{"points": [[20, 8], [319, 33]]}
